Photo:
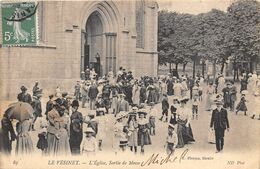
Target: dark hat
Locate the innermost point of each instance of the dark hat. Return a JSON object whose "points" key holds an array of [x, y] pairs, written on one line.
{"points": [[23, 88], [64, 94], [58, 101], [142, 111], [75, 103], [51, 96]]}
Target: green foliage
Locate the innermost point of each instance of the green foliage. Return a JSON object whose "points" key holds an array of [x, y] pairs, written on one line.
{"points": [[212, 36]]}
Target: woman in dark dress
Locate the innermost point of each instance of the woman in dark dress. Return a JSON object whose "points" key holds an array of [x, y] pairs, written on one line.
{"points": [[76, 133], [5, 132], [143, 137]]}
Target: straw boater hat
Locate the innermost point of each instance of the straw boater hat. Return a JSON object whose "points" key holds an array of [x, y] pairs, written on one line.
{"points": [[121, 114], [101, 109], [89, 130]]}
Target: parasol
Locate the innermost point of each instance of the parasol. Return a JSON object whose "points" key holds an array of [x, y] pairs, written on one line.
{"points": [[20, 111]]}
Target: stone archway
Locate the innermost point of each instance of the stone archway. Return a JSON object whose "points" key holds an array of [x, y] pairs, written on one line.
{"points": [[100, 38]]}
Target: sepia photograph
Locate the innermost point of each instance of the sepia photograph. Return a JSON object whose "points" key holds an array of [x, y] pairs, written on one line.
{"points": [[112, 84]]}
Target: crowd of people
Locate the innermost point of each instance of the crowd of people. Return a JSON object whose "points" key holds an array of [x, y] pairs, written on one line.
{"points": [[64, 130]]}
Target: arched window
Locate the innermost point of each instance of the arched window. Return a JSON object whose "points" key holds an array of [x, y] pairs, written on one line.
{"points": [[140, 23]]}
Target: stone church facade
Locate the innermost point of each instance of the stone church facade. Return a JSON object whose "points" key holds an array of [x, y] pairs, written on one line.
{"points": [[81, 34]]}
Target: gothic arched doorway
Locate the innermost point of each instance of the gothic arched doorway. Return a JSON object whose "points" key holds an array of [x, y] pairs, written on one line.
{"points": [[99, 42]]}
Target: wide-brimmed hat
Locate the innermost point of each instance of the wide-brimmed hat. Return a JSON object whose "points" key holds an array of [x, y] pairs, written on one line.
{"points": [[184, 99], [123, 142], [23, 88], [120, 115], [58, 101], [89, 130]]}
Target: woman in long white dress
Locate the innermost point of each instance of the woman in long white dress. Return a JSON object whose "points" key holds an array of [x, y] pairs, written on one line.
{"points": [[136, 94], [210, 92]]}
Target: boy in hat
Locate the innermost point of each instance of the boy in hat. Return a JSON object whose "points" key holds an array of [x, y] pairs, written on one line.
{"points": [[242, 104], [152, 114], [174, 108], [24, 96], [90, 143], [195, 108], [76, 123], [165, 107], [171, 139], [37, 107]]}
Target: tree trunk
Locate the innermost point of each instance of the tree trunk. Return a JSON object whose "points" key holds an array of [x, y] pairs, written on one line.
{"points": [[176, 68], [203, 68], [222, 66], [234, 68], [251, 66], [194, 68], [184, 67], [170, 66], [214, 70]]}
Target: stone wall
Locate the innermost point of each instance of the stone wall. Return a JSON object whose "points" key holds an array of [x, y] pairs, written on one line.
{"points": [[56, 60]]}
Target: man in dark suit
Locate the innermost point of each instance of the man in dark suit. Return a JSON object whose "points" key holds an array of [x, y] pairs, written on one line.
{"points": [[219, 119]]}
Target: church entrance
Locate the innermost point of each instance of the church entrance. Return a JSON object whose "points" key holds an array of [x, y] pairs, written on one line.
{"points": [[98, 45]]}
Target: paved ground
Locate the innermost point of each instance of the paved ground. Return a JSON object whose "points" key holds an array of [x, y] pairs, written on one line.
{"points": [[242, 137]]}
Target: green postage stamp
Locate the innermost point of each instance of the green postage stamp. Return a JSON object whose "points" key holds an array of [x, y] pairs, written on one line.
{"points": [[19, 26]]}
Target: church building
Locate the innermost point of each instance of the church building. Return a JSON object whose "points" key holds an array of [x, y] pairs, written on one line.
{"points": [[73, 36]]}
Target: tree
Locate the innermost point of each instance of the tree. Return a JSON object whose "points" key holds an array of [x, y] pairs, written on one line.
{"points": [[244, 39]]}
